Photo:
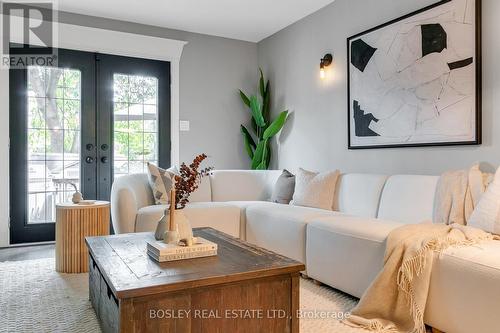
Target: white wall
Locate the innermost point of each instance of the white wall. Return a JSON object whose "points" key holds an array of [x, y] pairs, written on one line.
{"points": [[316, 136]]}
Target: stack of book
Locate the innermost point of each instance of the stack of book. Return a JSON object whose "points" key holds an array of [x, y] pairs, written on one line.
{"points": [[161, 252]]}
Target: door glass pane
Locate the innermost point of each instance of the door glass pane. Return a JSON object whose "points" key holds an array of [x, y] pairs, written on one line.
{"points": [[135, 119], [54, 132]]}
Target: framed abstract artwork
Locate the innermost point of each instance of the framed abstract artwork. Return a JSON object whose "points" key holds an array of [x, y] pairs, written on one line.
{"points": [[416, 81]]}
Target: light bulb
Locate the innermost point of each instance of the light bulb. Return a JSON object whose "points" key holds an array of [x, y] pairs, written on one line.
{"points": [[322, 73]]}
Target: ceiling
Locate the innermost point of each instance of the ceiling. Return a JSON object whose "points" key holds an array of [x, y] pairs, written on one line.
{"points": [[249, 20]]}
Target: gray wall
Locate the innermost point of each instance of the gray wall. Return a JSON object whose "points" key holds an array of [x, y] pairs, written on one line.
{"points": [[316, 136], [211, 71]]}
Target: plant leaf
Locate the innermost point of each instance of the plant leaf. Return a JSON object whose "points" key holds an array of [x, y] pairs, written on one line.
{"points": [[268, 157], [266, 104], [254, 125], [264, 164], [261, 84], [258, 154], [248, 141], [247, 134], [257, 111], [276, 125], [244, 98]]}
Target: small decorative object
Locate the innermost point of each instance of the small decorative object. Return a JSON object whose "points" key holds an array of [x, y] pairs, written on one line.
{"points": [[77, 196], [257, 144], [162, 226], [171, 236], [175, 226], [325, 62], [416, 81]]}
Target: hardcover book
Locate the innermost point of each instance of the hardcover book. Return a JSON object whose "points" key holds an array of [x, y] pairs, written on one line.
{"points": [[181, 256], [161, 249]]}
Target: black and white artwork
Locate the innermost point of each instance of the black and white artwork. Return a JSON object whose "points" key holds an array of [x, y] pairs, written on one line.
{"points": [[415, 81]]}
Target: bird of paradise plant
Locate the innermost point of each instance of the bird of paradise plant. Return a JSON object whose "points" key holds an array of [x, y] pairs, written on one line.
{"points": [[257, 142]]}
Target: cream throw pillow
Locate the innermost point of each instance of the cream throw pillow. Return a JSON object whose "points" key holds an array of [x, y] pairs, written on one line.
{"points": [[160, 181], [314, 189], [486, 214]]}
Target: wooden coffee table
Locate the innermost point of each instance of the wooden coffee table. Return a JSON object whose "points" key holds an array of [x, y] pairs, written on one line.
{"points": [[243, 289]]}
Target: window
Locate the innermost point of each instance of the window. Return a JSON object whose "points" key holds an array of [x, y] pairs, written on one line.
{"points": [[53, 139], [135, 123]]}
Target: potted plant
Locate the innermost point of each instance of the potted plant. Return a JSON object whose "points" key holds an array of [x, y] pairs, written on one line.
{"points": [[256, 142]]}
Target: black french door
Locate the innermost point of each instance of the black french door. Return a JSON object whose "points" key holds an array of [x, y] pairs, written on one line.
{"points": [[134, 104], [81, 124]]}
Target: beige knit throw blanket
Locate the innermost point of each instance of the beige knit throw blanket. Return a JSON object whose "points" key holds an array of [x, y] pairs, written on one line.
{"points": [[457, 193], [395, 301]]}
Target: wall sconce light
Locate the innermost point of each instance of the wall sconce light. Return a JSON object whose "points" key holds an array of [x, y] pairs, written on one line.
{"points": [[325, 62]]}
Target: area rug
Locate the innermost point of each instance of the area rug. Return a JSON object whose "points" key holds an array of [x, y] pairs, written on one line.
{"points": [[35, 298]]}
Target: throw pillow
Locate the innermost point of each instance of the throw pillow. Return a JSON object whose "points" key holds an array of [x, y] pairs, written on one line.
{"points": [[486, 214], [314, 189], [160, 181], [284, 187]]}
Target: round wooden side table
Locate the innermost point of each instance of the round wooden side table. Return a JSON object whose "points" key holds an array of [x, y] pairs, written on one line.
{"points": [[74, 222]]}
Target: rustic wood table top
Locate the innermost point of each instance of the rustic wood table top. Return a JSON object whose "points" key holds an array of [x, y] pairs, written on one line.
{"points": [[130, 272]]}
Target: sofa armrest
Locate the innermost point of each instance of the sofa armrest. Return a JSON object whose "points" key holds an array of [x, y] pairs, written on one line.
{"points": [[129, 194]]}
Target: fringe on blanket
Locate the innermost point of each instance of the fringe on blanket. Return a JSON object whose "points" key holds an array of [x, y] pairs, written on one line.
{"points": [[414, 266]]}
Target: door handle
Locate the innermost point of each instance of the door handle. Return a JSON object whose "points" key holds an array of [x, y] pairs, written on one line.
{"points": [[89, 159], [104, 159]]}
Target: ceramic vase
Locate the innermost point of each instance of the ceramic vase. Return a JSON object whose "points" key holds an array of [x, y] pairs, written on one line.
{"points": [[182, 227], [162, 226]]}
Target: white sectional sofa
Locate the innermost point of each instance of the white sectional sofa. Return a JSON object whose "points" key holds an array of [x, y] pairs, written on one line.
{"points": [[343, 247]]}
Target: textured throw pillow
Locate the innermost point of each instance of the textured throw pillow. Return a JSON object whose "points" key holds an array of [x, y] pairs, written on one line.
{"points": [[284, 187], [315, 189], [486, 214], [161, 182]]}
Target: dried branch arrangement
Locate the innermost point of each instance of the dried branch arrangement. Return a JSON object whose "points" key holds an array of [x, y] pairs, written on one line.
{"points": [[189, 180]]}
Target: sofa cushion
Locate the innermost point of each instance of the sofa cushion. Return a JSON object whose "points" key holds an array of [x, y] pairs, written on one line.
{"points": [[243, 185], [408, 199], [161, 183], [314, 189], [218, 215], [359, 194], [347, 252], [243, 205], [284, 188], [464, 293], [486, 214], [281, 228]]}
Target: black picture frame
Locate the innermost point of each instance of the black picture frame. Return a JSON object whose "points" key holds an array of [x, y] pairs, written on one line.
{"points": [[478, 85]]}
